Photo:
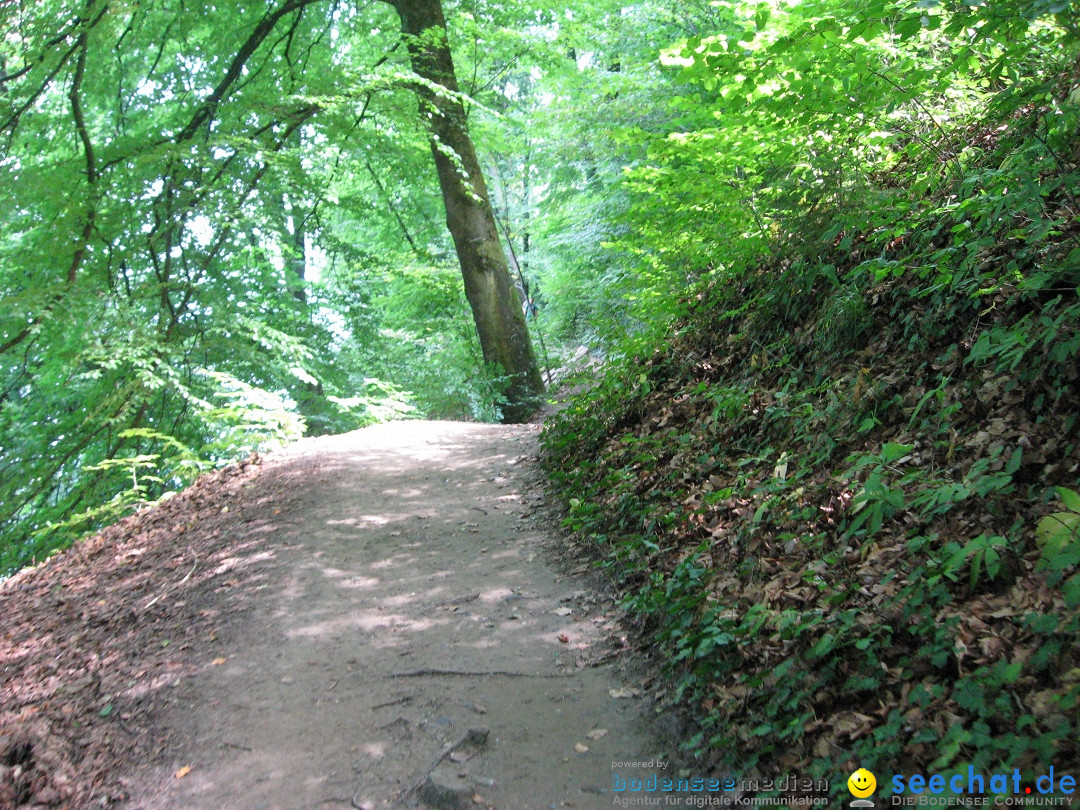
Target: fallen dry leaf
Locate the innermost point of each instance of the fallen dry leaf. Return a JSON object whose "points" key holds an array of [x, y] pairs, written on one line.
{"points": [[180, 774], [580, 748], [217, 662], [565, 639], [624, 692], [597, 733]]}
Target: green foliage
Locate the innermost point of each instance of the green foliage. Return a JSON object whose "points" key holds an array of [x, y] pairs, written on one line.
{"points": [[827, 478], [1058, 534], [221, 228]]}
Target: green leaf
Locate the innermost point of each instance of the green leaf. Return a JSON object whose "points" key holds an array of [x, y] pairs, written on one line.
{"points": [[968, 694], [1070, 590], [824, 645], [1070, 498], [1054, 531], [908, 27], [893, 451]]}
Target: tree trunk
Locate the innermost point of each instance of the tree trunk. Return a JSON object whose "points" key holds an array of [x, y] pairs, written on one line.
{"points": [[500, 323]]}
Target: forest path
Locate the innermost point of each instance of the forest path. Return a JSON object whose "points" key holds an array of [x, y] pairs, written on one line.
{"points": [[395, 591]]}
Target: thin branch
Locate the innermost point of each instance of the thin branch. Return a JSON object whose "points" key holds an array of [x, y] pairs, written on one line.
{"points": [[393, 209], [12, 121], [474, 737], [88, 151], [524, 291], [926, 111], [46, 46], [300, 117], [167, 591], [470, 673], [265, 27]]}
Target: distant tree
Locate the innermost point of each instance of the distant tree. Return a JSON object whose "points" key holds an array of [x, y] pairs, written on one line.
{"points": [[496, 308]]}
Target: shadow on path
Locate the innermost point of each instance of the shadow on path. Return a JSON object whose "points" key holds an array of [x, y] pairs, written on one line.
{"points": [[388, 591]]}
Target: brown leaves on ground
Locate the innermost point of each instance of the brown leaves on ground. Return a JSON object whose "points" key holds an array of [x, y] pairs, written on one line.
{"points": [[96, 639], [710, 455]]}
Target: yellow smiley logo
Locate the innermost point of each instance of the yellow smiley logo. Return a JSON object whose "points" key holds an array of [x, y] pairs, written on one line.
{"points": [[861, 783]]}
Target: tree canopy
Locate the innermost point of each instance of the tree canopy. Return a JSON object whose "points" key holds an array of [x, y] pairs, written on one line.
{"points": [[176, 175]]}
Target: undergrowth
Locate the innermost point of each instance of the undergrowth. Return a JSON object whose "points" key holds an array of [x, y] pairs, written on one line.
{"points": [[842, 496]]}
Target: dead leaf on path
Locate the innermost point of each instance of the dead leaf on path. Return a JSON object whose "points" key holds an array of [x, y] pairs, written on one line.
{"points": [[565, 639], [180, 774], [624, 692], [217, 662], [581, 749], [597, 733], [564, 611]]}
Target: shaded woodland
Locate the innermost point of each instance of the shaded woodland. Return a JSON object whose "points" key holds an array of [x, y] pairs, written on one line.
{"points": [[823, 258]]}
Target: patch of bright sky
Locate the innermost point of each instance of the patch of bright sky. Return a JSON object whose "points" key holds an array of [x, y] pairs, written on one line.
{"points": [[201, 230], [316, 262], [153, 189], [148, 88]]}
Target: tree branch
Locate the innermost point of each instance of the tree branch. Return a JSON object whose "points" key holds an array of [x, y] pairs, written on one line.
{"points": [[265, 27], [88, 151], [12, 121], [393, 210]]}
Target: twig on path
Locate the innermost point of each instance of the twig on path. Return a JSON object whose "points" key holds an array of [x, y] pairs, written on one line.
{"points": [[237, 747], [474, 736], [167, 591], [460, 600], [397, 702], [466, 673]]}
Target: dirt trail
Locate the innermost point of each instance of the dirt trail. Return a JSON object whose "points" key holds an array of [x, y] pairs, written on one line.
{"points": [[399, 592]]}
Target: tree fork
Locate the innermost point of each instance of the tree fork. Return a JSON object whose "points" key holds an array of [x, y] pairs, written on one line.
{"points": [[500, 323]]}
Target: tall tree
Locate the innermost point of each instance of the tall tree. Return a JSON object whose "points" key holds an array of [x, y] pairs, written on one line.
{"points": [[500, 322]]}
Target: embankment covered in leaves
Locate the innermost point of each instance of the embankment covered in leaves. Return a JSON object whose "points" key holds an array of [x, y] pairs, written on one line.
{"points": [[842, 495]]}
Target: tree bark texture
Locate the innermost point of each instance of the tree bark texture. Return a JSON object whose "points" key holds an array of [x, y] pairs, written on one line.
{"points": [[500, 323]]}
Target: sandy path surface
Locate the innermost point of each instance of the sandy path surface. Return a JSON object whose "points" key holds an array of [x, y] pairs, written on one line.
{"points": [[400, 634]]}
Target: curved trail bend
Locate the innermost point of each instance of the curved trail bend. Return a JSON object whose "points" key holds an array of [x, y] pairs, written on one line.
{"points": [[399, 600]]}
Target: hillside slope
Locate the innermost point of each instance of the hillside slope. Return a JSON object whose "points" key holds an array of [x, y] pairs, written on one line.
{"points": [[842, 493]]}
